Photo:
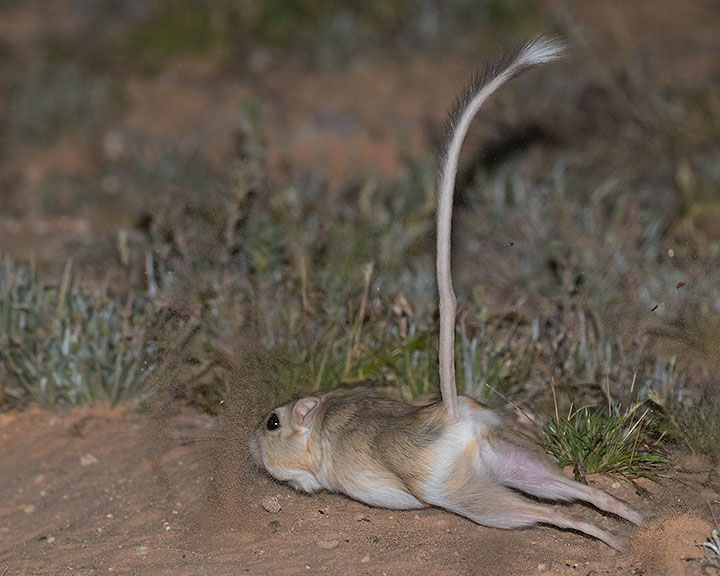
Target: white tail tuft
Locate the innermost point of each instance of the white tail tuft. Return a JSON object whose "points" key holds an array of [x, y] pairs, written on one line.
{"points": [[542, 50]]}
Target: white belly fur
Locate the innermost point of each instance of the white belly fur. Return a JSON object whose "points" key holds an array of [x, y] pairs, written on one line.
{"points": [[386, 497], [471, 427]]}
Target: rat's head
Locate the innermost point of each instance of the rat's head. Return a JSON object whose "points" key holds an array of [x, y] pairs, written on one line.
{"points": [[280, 444]]}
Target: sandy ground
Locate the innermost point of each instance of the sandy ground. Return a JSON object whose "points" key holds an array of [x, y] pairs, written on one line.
{"points": [[99, 491]]}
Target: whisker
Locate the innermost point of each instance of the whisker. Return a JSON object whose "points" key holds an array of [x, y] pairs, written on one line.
{"points": [[202, 458]]}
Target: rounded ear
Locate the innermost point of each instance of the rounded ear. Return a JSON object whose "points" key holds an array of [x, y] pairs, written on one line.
{"points": [[304, 411]]}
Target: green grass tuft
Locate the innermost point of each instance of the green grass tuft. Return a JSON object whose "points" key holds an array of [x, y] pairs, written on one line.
{"points": [[594, 442]]}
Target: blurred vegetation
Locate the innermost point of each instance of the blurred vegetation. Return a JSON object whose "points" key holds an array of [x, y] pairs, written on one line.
{"points": [[57, 97], [324, 32], [603, 273], [699, 422], [60, 344], [337, 294]]}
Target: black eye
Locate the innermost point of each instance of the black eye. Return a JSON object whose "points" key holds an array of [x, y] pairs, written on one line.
{"points": [[273, 422]]}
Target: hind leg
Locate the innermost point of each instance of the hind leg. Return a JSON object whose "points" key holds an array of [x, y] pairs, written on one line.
{"points": [[520, 468], [469, 489], [483, 501]]}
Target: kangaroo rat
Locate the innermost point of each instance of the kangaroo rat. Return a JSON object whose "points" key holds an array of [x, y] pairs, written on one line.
{"points": [[456, 454]]}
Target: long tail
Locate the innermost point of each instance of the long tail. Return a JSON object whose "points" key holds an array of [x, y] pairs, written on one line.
{"points": [[468, 103]]}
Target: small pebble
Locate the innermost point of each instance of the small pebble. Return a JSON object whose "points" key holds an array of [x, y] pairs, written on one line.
{"points": [[328, 544], [543, 567], [29, 509], [88, 459], [51, 539], [271, 504]]}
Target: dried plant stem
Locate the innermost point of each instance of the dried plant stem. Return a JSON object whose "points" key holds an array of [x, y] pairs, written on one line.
{"points": [[356, 330]]}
